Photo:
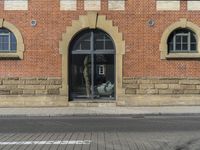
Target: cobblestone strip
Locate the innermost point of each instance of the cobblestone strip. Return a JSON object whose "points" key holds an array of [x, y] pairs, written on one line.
{"points": [[116, 142], [130, 142], [26, 138], [3, 138], [124, 140], [52, 138], [46, 137], [58, 138], [109, 143], [100, 141], [80, 137], [40, 137], [87, 136], [94, 143], [18, 137], [73, 137], [66, 138], [34, 137], [6, 138]]}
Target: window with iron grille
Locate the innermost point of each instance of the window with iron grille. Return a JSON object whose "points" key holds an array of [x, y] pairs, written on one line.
{"points": [[7, 41], [182, 41]]}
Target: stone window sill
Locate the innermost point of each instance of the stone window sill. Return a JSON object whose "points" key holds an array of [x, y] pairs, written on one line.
{"points": [[11, 55], [183, 55]]}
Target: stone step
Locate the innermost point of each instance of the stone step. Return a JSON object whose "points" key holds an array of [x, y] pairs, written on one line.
{"points": [[92, 103]]}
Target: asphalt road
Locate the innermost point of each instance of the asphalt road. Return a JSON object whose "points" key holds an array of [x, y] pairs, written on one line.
{"points": [[100, 133]]}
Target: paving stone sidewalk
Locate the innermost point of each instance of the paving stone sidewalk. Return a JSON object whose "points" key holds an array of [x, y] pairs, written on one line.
{"points": [[100, 111]]}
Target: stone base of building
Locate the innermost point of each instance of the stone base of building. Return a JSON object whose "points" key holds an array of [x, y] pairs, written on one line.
{"points": [[161, 86], [125, 100], [33, 101], [160, 92], [45, 92], [159, 100]]}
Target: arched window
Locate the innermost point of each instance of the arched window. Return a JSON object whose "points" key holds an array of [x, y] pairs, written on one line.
{"points": [[8, 41], [182, 40], [92, 65]]}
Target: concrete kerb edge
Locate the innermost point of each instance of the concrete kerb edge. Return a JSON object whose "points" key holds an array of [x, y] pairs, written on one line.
{"points": [[142, 115]]}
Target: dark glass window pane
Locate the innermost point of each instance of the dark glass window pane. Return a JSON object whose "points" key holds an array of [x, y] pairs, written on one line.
{"points": [[171, 47], [184, 47], [109, 45], [178, 39], [13, 39], [178, 46], [99, 36], [7, 40], [182, 40], [5, 46], [99, 45], [193, 39], [81, 76], [104, 79], [85, 45], [3, 30], [13, 47], [107, 37], [170, 40], [193, 47], [82, 41], [185, 39], [4, 41]]}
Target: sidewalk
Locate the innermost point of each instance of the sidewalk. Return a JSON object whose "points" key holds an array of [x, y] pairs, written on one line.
{"points": [[100, 111]]}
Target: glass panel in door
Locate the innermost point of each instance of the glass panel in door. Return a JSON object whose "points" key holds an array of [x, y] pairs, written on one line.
{"points": [[80, 76], [104, 79]]}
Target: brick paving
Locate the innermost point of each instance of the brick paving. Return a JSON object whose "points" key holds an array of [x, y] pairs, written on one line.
{"points": [[103, 141]]}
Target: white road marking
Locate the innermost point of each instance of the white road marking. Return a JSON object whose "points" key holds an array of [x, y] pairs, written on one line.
{"points": [[85, 142]]}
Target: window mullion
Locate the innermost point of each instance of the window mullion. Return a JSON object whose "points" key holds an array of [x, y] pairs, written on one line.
{"points": [[92, 63], [9, 42], [174, 42], [181, 42], [189, 42]]}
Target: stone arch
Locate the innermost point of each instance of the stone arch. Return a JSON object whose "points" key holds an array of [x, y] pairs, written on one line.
{"points": [[92, 20], [183, 23], [20, 43]]}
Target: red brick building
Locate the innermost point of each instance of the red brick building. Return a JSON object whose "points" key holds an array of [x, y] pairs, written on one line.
{"points": [[128, 52]]}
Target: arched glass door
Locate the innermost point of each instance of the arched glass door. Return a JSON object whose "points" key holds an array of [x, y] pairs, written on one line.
{"points": [[92, 66]]}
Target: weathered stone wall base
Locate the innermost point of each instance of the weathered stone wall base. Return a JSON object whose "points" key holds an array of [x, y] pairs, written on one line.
{"points": [[160, 92], [162, 86], [30, 86], [33, 101], [157, 100]]}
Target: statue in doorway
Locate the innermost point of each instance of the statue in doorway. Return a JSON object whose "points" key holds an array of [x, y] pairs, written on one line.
{"points": [[86, 75]]}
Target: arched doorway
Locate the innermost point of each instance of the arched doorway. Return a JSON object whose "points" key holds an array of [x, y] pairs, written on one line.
{"points": [[92, 65]]}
